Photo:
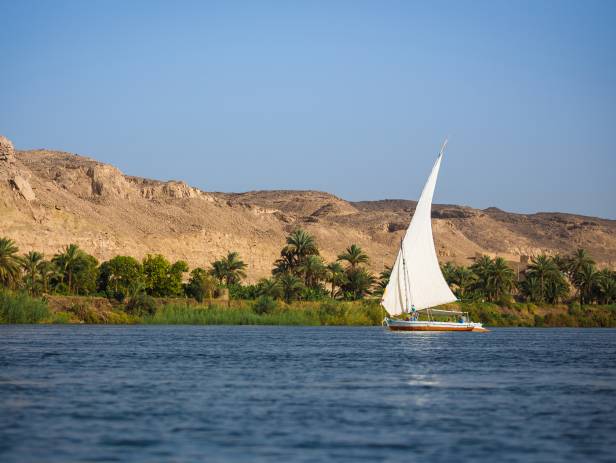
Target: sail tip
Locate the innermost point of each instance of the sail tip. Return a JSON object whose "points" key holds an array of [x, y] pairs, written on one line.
{"points": [[443, 146]]}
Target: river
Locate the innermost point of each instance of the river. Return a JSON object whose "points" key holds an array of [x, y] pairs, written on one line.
{"points": [[77, 393]]}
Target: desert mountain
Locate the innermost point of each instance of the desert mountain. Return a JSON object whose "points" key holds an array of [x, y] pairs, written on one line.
{"points": [[49, 199]]}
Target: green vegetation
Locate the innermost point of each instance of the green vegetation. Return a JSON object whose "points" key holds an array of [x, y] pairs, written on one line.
{"points": [[264, 305], [183, 315], [120, 276], [303, 275], [22, 308], [303, 289], [201, 285], [532, 315], [10, 263], [547, 279], [229, 270], [141, 305], [161, 277], [78, 270], [266, 311]]}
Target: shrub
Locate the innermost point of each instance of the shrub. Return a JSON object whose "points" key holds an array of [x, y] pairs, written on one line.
{"points": [[239, 291], [201, 285], [331, 313], [119, 274], [85, 314], [373, 312], [264, 305], [506, 300], [141, 305], [117, 317], [21, 308], [61, 318], [314, 294]]}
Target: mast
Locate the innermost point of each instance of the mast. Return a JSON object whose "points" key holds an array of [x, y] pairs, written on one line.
{"points": [[406, 286]]}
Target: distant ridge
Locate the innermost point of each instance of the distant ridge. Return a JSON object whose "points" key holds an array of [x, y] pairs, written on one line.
{"points": [[51, 198]]}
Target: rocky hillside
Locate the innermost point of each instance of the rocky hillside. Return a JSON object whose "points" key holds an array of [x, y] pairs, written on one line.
{"points": [[49, 199]]}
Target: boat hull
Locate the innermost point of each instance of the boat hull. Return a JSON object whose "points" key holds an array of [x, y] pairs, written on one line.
{"points": [[404, 325]]}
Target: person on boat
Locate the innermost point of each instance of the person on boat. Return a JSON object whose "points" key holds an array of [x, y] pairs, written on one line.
{"points": [[413, 313]]}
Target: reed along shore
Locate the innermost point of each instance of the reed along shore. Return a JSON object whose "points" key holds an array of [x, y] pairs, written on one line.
{"points": [[18, 308]]}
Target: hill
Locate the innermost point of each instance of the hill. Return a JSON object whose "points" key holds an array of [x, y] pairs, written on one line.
{"points": [[51, 198]]}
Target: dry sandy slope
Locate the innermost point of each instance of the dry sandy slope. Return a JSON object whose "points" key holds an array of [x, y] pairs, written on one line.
{"points": [[49, 199]]}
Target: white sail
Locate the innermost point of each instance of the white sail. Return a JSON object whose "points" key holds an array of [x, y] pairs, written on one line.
{"points": [[416, 279]]}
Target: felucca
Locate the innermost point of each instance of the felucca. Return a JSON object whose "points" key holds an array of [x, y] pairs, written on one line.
{"points": [[416, 284]]}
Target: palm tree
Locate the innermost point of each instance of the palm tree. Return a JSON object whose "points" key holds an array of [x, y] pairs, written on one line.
{"points": [[383, 281], [556, 289], [581, 272], [449, 271], [354, 256], [47, 271], [313, 270], [285, 263], [229, 269], [482, 267], [545, 269], [335, 276], [562, 262], [300, 244], [31, 265], [531, 288], [459, 278], [270, 287], [465, 278], [577, 261], [218, 270], [606, 286], [67, 261], [502, 278], [235, 268], [359, 282], [585, 280], [291, 286], [10, 262]]}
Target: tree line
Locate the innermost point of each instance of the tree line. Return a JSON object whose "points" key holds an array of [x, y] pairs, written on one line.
{"points": [[300, 273], [547, 279]]}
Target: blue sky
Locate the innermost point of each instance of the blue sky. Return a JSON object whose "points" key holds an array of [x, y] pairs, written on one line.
{"points": [[353, 98]]}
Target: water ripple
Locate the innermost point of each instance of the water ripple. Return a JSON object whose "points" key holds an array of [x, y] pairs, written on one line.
{"points": [[261, 394]]}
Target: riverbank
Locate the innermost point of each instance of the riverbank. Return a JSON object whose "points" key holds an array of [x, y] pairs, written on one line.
{"points": [[21, 308]]}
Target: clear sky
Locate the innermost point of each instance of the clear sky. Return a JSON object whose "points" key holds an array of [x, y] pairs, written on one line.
{"points": [[353, 98]]}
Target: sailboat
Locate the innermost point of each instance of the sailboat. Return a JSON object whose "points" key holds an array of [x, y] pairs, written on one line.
{"points": [[416, 285]]}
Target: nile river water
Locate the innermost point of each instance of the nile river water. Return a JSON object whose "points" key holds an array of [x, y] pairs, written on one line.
{"points": [[261, 394]]}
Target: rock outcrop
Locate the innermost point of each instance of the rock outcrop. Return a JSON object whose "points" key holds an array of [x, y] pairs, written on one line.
{"points": [[6, 149], [108, 181], [22, 186], [12, 173]]}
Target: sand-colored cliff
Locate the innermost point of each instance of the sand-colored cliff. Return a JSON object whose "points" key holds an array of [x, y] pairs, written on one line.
{"points": [[49, 199]]}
